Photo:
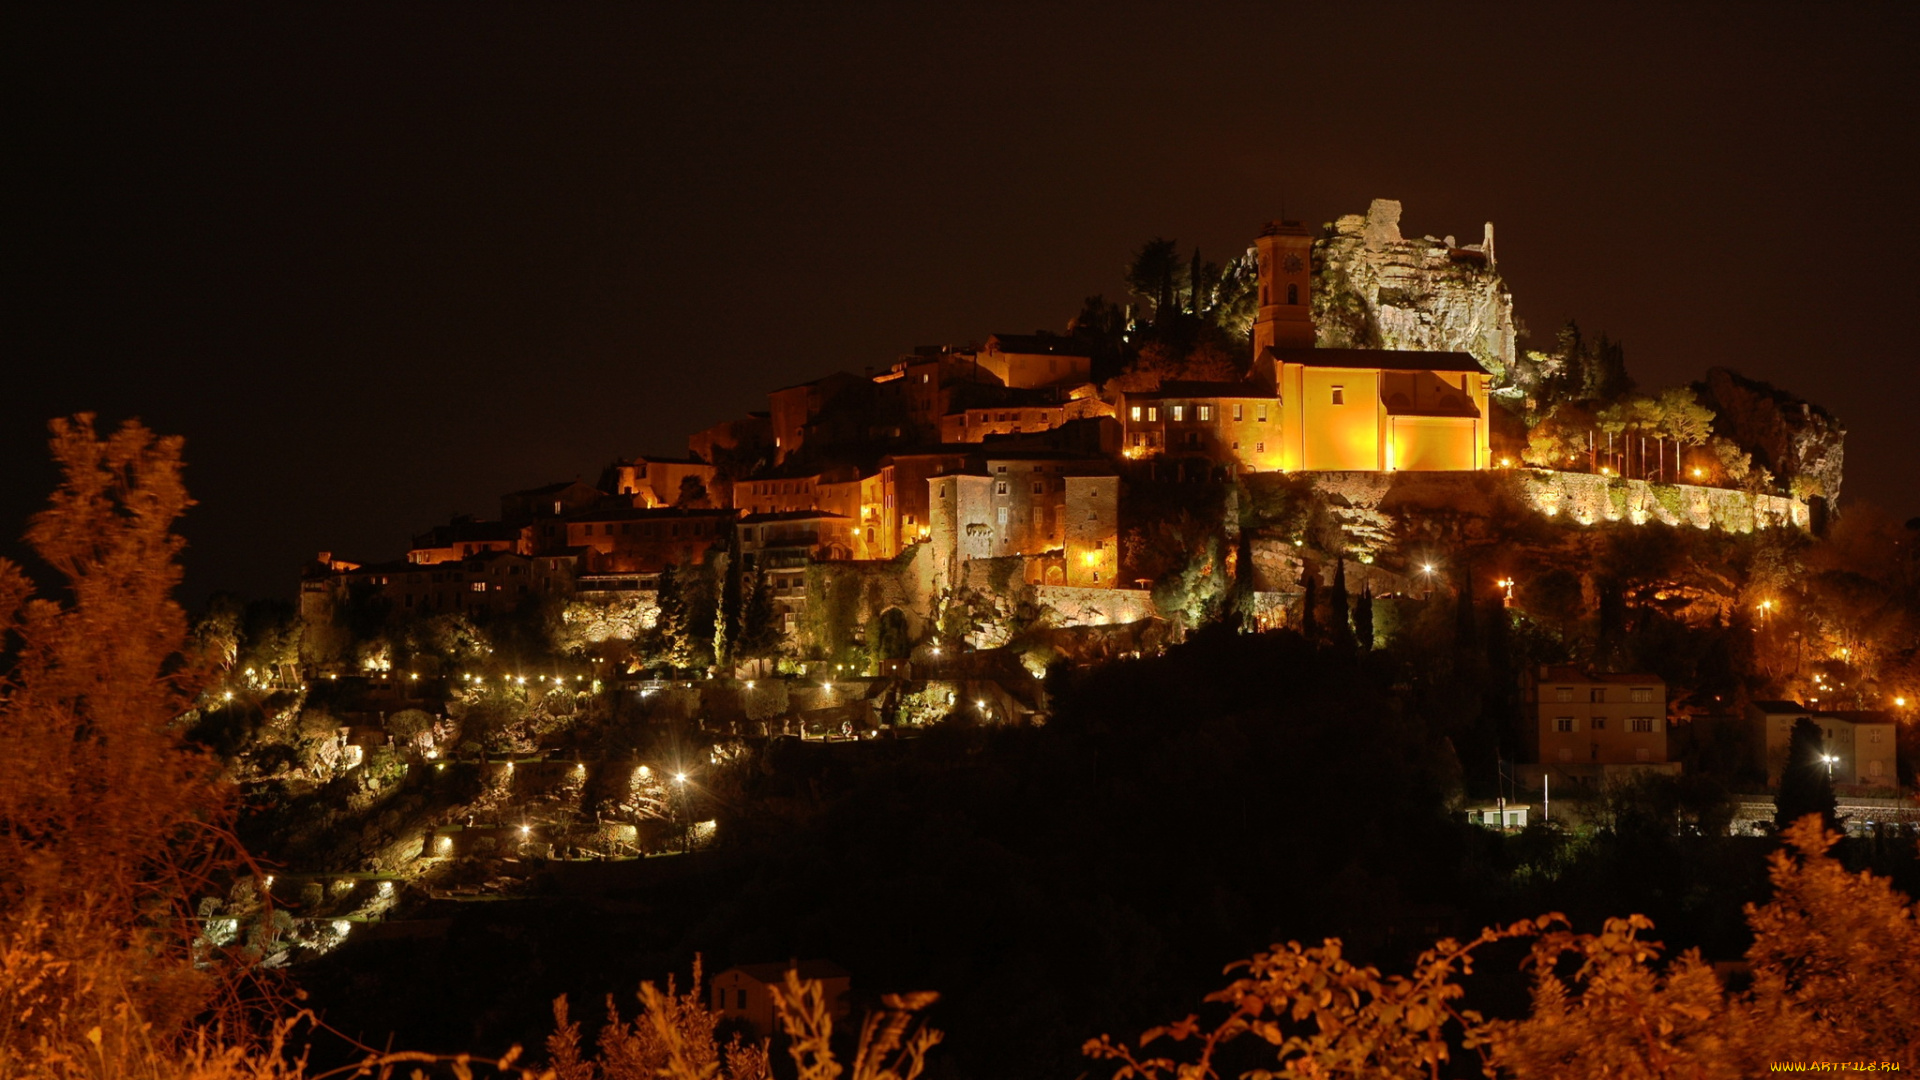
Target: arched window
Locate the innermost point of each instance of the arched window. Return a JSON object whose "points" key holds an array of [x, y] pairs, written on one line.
{"points": [[1293, 294]]}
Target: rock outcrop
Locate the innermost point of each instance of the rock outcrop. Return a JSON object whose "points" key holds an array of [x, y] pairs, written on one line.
{"points": [[1374, 289], [1800, 442]]}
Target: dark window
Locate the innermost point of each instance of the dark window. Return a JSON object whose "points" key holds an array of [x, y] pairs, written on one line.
{"points": [[1293, 294]]}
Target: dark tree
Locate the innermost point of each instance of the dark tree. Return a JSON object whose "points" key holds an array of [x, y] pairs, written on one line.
{"points": [[1309, 618], [759, 635], [672, 648], [1806, 785], [1363, 617], [1465, 634], [1154, 275], [1339, 630], [693, 493], [727, 640]]}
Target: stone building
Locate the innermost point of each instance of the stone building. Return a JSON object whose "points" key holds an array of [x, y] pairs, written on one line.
{"points": [[633, 540], [1058, 509], [1032, 412], [1861, 744], [658, 481], [782, 546], [487, 581], [464, 537], [1230, 423], [1582, 729], [893, 510], [1030, 361], [743, 994], [551, 501]]}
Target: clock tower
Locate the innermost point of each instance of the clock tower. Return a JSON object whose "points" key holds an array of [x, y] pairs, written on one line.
{"points": [[1286, 274]]}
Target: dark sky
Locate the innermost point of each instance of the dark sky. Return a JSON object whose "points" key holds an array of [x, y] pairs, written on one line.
{"points": [[380, 266]]}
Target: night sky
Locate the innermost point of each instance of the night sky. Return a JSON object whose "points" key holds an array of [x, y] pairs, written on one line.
{"points": [[379, 267]]}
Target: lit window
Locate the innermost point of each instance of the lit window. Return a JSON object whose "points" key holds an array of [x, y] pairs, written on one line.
{"points": [[478, 586], [1153, 414], [1642, 694], [1339, 395], [1563, 723], [1563, 693], [1179, 413], [1203, 412], [1134, 414]]}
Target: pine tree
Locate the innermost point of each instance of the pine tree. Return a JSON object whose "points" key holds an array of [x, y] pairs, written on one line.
{"points": [[1806, 785]]}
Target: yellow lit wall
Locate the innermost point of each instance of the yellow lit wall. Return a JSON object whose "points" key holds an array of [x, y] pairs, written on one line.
{"points": [[1345, 436], [1433, 442]]}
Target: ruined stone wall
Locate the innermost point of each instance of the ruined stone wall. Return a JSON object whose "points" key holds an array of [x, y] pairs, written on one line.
{"points": [[1587, 498], [1073, 606], [1374, 289], [872, 586]]}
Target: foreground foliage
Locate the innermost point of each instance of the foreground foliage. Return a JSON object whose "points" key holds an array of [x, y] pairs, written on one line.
{"points": [[1833, 963]]}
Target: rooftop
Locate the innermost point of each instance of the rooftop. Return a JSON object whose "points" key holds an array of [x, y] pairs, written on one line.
{"points": [[1383, 359], [1041, 343], [792, 515]]}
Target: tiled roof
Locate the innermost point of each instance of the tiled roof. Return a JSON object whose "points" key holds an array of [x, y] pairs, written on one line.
{"points": [[1383, 359]]}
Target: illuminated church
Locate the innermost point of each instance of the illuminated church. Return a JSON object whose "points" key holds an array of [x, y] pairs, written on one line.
{"points": [[1307, 408]]}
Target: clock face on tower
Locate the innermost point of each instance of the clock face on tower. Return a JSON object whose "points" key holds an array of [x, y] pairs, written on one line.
{"points": [[1292, 264]]}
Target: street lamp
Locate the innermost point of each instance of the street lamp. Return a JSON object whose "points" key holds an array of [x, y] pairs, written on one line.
{"points": [[1829, 759]]}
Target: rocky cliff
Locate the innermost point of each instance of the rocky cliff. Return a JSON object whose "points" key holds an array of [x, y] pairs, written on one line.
{"points": [[1374, 289], [1800, 442]]}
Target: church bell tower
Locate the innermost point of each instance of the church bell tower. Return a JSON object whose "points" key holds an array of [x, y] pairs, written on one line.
{"points": [[1286, 274]]}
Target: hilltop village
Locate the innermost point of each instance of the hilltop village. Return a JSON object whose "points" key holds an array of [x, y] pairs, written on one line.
{"points": [[895, 510], [1310, 523], [1335, 436]]}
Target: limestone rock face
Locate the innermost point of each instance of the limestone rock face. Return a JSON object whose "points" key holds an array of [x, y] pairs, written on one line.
{"points": [[1374, 289], [1800, 442]]}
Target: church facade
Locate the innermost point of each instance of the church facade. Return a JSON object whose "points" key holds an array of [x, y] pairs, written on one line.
{"points": [[1309, 408]]}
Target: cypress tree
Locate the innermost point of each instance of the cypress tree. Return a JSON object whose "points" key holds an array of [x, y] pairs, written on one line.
{"points": [[670, 625], [1341, 630], [1465, 635], [1363, 617], [1309, 619]]}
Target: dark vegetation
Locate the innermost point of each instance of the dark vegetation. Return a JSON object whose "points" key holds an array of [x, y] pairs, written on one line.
{"points": [[1093, 874]]}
